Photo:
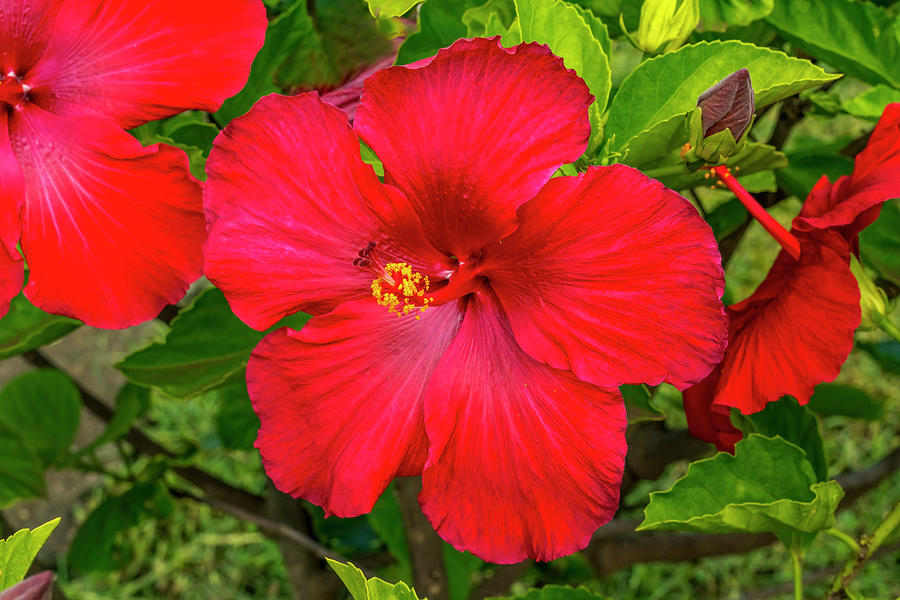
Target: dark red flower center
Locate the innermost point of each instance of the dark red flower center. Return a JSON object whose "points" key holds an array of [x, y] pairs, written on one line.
{"points": [[12, 90]]}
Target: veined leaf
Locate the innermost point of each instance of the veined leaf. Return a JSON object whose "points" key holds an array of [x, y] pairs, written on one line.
{"points": [[26, 327], [361, 588], [871, 103], [17, 552], [797, 425]]}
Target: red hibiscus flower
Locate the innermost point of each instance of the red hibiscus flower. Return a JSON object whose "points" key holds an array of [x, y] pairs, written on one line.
{"points": [[796, 330], [472, 316], [111, 231]]}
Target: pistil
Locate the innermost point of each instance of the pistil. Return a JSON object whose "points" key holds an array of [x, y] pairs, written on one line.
{"points": [[775, 229]]}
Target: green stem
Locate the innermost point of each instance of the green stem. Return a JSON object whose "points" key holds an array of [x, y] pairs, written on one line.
{"points": [[889, 328], [867, 547], [796, 562], [838, 534]]}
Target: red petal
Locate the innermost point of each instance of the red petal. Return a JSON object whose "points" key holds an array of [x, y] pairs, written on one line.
{"points": [[112, 231], [615, 277], [340, 402], [707, 421], [474, 133], [795, 331], [11, 193], [25, 31], [136, 61], [524, 460], [852, 203], [291, 204]]}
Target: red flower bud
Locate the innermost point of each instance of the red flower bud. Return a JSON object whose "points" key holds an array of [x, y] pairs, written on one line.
{"points": [[728, 105]]}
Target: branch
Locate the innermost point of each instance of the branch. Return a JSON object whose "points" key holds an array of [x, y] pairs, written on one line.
{"points": [[426, 549], [209, 484]]}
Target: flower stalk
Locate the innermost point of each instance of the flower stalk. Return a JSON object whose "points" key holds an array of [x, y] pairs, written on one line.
{"points": [[775, 229]]}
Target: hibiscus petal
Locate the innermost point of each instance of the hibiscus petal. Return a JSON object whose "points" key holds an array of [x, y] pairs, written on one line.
{"points": [[854, 202], [468, 155], [707, 421], [615, 277], [291, 204], [795, 331], [24, 32], [524, 460], [137, 61], [112, 231], [11, 192], [340, 402]]}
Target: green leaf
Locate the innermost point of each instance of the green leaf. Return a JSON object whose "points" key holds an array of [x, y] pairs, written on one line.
{"points": [[206, 347], [292, 37], [871, 103], [719, 14], [236, 423], [26, 327], [804, 169], [752, 159], [727, 218], [461, 566], [370, 589], [21, 472], [768, 485], [858, 38], [639, 404], [833, 399], [555, 592], [385, 9], [668, 85], [880, 243], [386, 519], [98, 545], [440, 24], [17, 552], [797, 425], [42, 409], [886, 353], [189, 131], [494, 17]]}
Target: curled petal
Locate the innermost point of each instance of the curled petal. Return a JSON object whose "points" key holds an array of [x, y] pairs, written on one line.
{"points": [[795, 331], [291, 204], [12, 190], [707, 421], [112, 231], [136, 61], [468, 155], [615, 277], [524, 460], [853, 202], [340, 402]]}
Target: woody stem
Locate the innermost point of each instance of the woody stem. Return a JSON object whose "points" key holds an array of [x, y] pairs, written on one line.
{"points": [[775, 229]]}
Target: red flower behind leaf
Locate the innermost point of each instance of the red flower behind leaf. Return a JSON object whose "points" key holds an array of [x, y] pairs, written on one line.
{"points": [[472, 316], [111, 231], [796, 330]]}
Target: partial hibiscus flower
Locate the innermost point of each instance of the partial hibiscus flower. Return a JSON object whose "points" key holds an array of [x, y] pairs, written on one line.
{"points": [[472, 316], [796, 330], [111, 231]]}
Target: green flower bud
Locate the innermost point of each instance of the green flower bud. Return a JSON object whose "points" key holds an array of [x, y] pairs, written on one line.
{"points": [[873, 302], [665, 24], [718, 129]]}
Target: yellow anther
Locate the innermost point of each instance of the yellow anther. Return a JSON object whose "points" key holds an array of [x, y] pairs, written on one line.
{"points": [[402, 290]]}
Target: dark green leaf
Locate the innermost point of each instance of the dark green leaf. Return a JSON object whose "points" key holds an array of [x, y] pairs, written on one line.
{"points": [[727, 218], [639, 404], [752, 159], [832, 399], [26, 327], [98, 545], [370, 589], [719, 14], [386, 519], [291, 37], [880, 242], [42, 409], [206, 347], [461, 566], [236, 423], [440, 24], [21, 472], [668, 85], [17, 552], [797, 425], [555, 592], [768, 485], [804, 169], [886, 353], [858, 38]]}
